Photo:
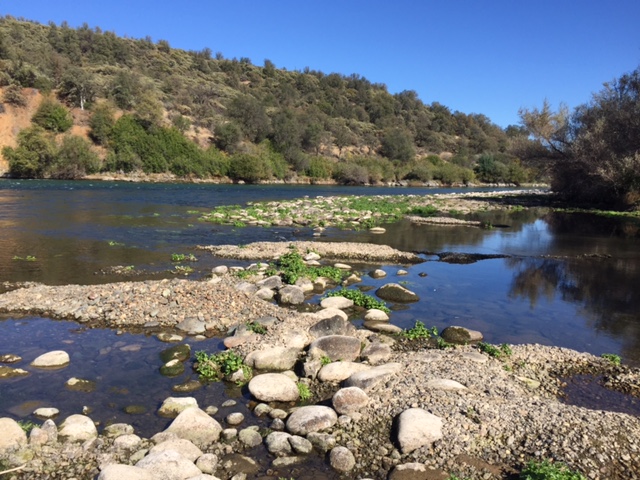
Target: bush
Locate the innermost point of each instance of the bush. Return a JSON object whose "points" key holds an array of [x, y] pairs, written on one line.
{"points": [[351, 174], [249, 168], [75, 159], [101, 123], [52, 116], [35, 152], [320, 168], [14, 96]]}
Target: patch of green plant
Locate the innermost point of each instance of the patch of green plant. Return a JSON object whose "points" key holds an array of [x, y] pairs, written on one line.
{"points": [[453, 212], [360, 299], [442, 344], [113, 243], [613, 358], [128, 268], [243, 274], [182, 257], [423, 211], [303, 390], [212, 367], [487, 225], [256, 327], [27, 425], [182, 270], [420, 331], [28, 258], [546, 470], [239, 224], [324, 360], [503, 350]]}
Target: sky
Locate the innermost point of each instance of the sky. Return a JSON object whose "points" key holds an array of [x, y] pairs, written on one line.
{"points": [[491, 57]]}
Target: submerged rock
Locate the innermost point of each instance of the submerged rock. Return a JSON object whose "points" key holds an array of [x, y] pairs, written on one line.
{"points": [[396, 293], [54, 359]]}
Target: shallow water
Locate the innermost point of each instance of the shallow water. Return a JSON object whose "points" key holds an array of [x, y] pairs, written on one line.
{"points": [[569, 280]]}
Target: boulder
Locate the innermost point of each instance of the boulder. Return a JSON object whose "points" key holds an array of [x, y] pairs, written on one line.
{"points": [[278, 443], [265, 294], [291, 295], [54, 359], [180, 445], [378, 273], [115, 471], [376, 353], [169, 465], [117, 429], [382, 327], [312, 418], [461, 335], [220, 270], [195, 425], [329, 313], [341, 303], [207, 463], [172, 368], [347, 401], [336, 347], [274, 358], [13, 436], [341, 459], [417, 428], [376, 315], [300, 444], [172, 406], [444, 384], [369, 378], [274, 387], [396, 293], [335, 325], [77, 428], [250, 437], [322, 441], [129, 442], [177, 352], [9, 372], [192, 326], [272, 282], [339, 371], [305, 284], [46, 412]]}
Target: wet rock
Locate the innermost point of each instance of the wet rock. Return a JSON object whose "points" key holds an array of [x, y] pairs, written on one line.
{"points": [[172, 368], [305, 284], [169, 465], [274, 387], [341, 459], [378, 273], [116, 471], [341, 303], [77, 428], [291, 295], [54, 359], [376, 315], [396, 293], [10, 358], [275, 358], [135, 409], [351, 280], [376, 353], [46, 412], [461, 335], [349, 400], [342, 266], [13, 436], [377, 230], [172, 406], [177, 352], [180, 445], [382, 327], [195, 425], [117, 429], [335, 325], [192, 326], [369, 378], [8, 372], [235, 418], [417, 428], [278, 443], [336, 347], [169, 337], [402, 272], [80, 385], [338, 371], [312, 418], [187, 387]]}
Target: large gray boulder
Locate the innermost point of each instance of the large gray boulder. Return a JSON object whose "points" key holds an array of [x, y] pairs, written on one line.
{"points": [[274, 387], [341, 303], [169, 465], [196, 426], [54, 359], [271, 282], [369, 378], [77, 428], [339, 371], [417, 428], [396, 293], [274, 358], [192, 326], [376, 353], [336, 325], [461, 335], [291, 295], [13, 436], [341, 459], [336, 347], [347, 401], [312, 418], [278, 443]]}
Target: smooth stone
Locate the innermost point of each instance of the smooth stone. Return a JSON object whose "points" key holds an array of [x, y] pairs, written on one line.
{"points": [[461, 335], [115, 471], [295, 339], [376, 353], [177, 352], [46, 412], [271, 283], [376, 315], [207, 463], [342, 266], [187, 387], [274, 358], [278, 443], [172, 406], [169, 337], [274, 387], [80, 385], [180, 445], [305, 284], [220, 270], [195, 425], [169, 465], [117, 429], [237, 340], [339, 371], [13, 436], [382, 327], [336, 302], [312, 418], [330, 313], [351, 280], [377, 230], [336, 347], [192, 326], [10, 358], [370, 378], [416, 471], [311, 256], [9, 372], [402, 272], [235, 418], [300, 444], [336, 325], [250, 437], [265, 294], [444, 384], [77, 428], [54, 359], [396, 293], [417, 428], [378, 273], [341, 459], [349, 400], [127, 442], [135, 409], [290, 295]]}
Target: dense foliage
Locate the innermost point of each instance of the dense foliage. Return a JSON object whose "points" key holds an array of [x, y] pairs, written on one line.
{"points": [[158, 109], [593, 154]]}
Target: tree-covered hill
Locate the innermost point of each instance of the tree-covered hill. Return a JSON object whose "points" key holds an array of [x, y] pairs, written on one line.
{"points": [[149, 107]]}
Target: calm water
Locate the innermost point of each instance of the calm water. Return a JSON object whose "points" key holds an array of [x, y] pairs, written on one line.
{"points": [[570, 280]]}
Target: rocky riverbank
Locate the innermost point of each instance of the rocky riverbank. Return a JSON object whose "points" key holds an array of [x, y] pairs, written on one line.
{"points": [[381, 405]]}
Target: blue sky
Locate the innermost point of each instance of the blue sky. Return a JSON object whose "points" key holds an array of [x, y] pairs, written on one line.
{"points": [[489, 57]]}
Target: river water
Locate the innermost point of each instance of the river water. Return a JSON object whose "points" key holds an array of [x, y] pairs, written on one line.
{"points": [[569, 280]]}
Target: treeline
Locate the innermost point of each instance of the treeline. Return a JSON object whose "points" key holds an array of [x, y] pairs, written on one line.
{"points": [[158, 109]]}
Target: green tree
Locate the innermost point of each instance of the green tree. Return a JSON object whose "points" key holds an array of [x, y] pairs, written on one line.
{"points": [[52, 116], [78, 87], [227, 135], [251, 116], [397, 144], [74, 159], [101, 122], [34, 153], [249, 168]]}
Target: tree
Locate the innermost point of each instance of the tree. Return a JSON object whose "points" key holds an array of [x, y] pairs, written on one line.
{"points": [[74, 159], [78, 87], [251, 116], [33, 155], [52, 116], [101, 123], [397, 144]]}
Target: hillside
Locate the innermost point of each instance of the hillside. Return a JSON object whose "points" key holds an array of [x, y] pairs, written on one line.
{"points": [[240, 120]]}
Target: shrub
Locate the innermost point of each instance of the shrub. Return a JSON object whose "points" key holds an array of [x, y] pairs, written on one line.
{"points": [[360, 299], [52, 116], [35, 152], [13, 95], [249, 168], [75, 159], [546, 470], [101, 123], [319, 168]]}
